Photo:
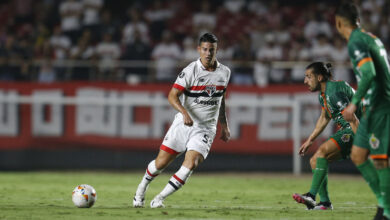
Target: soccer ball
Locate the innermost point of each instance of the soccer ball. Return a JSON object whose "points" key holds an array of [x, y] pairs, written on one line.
{"points": [[84, 196]]}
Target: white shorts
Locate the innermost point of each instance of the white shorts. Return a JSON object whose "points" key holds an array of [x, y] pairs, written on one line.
{"points": [[180, 138]]}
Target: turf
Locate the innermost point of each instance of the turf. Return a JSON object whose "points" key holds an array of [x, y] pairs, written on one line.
{"points": [[47, 195]]}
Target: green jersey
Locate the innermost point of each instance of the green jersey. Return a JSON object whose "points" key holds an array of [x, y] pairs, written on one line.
{"points": [[337, 96], [371, 67]]}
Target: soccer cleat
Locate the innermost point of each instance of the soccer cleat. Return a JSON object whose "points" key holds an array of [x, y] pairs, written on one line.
{"points": [[379, 213], [307, 199], [323, 206], [157, 202], [138, 202]]}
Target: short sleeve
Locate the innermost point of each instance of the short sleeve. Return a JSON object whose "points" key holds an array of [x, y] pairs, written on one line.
{"points": [[359, 53], [184, 79]]}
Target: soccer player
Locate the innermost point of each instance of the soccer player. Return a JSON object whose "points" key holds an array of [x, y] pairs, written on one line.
{"points": [[201, 85], [371, 67], [334, 96]]}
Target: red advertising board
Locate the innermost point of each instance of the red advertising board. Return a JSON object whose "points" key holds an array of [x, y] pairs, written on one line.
{"points": [[69, 132]]}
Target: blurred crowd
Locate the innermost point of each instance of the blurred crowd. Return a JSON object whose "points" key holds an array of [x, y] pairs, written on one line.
{"points": [[264, 42]]}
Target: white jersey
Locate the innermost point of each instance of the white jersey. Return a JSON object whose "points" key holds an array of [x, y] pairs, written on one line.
{"points": [[203, 92]]}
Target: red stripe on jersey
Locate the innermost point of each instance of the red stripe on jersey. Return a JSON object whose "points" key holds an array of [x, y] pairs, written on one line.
{"points": [[168, 150], [178, 179], [204, 87], [150, 174], [179, 87]]}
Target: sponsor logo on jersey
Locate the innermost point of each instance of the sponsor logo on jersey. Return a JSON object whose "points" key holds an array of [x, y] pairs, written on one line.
{"points": [[358, 55], [211, 102], [345, 138], [182, 74], [211, 90], [341, 105], [202, 80], [374, 142]]}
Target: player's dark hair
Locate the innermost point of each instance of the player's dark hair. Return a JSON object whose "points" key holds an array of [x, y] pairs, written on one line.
{"points": [[208, 37], [349, 11], [320, 68]]}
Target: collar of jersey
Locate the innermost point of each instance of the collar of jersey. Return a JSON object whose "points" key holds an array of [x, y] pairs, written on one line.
{"points": [[204, 68]]}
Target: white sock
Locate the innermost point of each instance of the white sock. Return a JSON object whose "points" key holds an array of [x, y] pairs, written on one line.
{"points": [[150, 173], [176, 182]]}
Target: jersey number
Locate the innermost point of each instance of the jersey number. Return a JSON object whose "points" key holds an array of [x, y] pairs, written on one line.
{"points": [[205, 139], [383, 53]]}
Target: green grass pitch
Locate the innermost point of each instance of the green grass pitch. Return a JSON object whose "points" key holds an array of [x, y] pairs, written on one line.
{"points": [[47, 195]]}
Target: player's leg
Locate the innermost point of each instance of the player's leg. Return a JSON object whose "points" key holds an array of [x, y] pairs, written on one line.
{"points": [[172, 146], [198, 147], [382, 166], [328, 151], [154, 168], [359, 156], [380, 144], [191, 161]]}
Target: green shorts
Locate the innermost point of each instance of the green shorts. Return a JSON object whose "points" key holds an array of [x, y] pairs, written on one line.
{"points": [[374, 134], [343, 138]]}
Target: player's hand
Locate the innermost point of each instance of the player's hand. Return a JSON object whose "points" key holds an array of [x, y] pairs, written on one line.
{"points": [[187, 120], [305, 146], [348, 112], [225, 134]]}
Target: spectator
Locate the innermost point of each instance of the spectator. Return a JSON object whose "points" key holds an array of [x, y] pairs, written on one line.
{"points": [[46, 73], [71, 11], [135, 25], [204, 20], [322, 49], [60, 43], [243, 55], [271, 51], [91, 12], [190, 52], [234, 6], [157, 17], [299, 54], [317, 25], [340, 58], [108, 53], [83, 51], [137, 51], [166, 54], [110, 26]]}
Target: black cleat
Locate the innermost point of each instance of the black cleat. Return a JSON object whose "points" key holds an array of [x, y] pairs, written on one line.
{"points": [[379, 213], [323, 206]]}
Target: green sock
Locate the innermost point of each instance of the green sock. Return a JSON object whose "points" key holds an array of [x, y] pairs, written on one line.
{"points": [[370, 174], [384, 183], [323, 190], [319, 173]]}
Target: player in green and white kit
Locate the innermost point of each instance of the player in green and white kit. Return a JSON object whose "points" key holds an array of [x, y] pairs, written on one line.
{"points": [[334, 96], [371, 67]]}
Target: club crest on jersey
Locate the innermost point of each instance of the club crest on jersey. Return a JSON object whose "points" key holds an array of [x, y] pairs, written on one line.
{"points": [[211, 90], [345, 138], [374, 142]]}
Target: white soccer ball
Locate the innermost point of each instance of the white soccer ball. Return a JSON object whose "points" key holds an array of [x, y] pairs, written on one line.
{"points": [[84, 196]]}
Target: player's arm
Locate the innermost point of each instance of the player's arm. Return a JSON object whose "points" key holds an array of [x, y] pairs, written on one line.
{"points": [[366, 67], [173, 98], [225, 132], [321, 124], [354, 123]]}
